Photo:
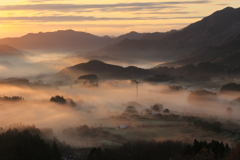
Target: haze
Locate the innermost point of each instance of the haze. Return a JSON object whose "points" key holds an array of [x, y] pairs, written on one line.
{"points": [[103, 17], [109, 74]]}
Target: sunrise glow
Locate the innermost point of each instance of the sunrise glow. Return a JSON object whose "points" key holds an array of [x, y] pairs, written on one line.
{"points": [[19, 17]]}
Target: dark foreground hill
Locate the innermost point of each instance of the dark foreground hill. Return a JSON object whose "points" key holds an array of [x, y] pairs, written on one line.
{"points": [[15, 145], [200, 72], [104, 71]]}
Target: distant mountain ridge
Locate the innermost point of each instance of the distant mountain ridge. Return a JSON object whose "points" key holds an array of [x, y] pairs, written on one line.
{"points": [[202, 41], [65, 41], [211, 30], [72, 41], [62, 41]]}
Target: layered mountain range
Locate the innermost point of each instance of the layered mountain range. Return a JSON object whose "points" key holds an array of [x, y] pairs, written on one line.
{"points": [[213, 30], [227, 53], [213, 43], [64, 41]]}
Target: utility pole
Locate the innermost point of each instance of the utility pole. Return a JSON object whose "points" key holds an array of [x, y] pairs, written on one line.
{"points": [[135, 81], [137, 88]]}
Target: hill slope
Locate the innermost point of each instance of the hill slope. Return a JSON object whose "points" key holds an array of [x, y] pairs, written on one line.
{"points": [[210, 30], [104, 71], [10, 54], [6, 50], [225, 53]]}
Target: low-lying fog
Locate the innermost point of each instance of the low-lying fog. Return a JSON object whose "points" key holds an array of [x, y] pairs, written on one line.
{"points": [[94, 105], [99, 106], [34, 64]]}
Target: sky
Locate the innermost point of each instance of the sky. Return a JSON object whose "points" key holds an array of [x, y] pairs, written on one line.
{"points": [[103, 17]]}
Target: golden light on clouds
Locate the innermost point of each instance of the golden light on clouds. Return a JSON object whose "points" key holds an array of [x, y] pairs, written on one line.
{"points": [[103, 17]]}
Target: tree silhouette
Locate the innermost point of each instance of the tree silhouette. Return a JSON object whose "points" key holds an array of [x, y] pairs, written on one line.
{"points": [[157, 107], [55, 151], [166, 111], [58, 99], [130, 111], [15, 145]]}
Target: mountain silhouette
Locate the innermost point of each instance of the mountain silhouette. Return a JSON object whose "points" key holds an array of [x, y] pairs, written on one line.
{"points": [[211, 30], [225, 53], [206, 40], [61, 41], [64, 41], [104, 71]]}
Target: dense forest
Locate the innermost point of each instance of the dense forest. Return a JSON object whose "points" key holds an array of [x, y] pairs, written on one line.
{"points": [[15, 145], [167, 150], [24, 145]]}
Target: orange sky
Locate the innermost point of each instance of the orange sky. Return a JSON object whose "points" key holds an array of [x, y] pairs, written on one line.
{"points": [[103, 17]]}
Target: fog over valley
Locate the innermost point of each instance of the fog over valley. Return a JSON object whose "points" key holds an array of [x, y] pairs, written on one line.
{"points": [[72, 95]]}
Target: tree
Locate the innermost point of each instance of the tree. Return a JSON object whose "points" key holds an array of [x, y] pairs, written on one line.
{"points": [[166, 111], [58, 99], [55, 152], [157, 107], [205, 154], [130, 111], [95, 153], [235, 153]]}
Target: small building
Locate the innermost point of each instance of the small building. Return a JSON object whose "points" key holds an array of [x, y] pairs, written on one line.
{"points": [[124, 126]]}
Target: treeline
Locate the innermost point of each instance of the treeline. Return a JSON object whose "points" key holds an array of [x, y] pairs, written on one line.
{"points": [[46, 133], [57, 99], [212, 150], [230, 87], [140, 150], [15, 145], [12, 99], [167, 150], [61, 100], [204, 124], [85, 131]]}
